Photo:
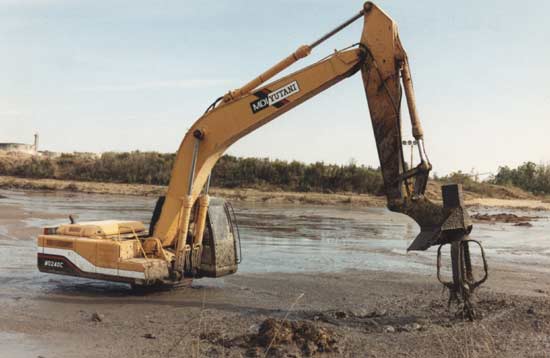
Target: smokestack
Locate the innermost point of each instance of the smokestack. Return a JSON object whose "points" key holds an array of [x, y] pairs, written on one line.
{"points": [[36, 142]]}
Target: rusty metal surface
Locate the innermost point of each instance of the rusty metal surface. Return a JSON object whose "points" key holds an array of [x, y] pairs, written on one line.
{"points": [[384, 98], [464, 283], [438, 224]]}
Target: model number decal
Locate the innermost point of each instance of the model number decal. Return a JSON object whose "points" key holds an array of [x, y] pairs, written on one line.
{"points": [[277, 98], [54, 264]]}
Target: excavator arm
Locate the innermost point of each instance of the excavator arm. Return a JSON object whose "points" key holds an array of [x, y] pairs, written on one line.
{"points": [[384, 66]]}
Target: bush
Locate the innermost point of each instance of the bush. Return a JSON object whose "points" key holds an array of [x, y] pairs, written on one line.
{"points": [[468, 182], [34, 168], [231, 172], [528, 176]]}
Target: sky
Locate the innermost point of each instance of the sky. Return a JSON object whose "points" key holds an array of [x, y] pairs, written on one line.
{"points": [[125, 75]]}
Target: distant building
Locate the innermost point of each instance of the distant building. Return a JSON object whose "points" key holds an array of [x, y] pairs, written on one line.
{"points": [[31, 149]]}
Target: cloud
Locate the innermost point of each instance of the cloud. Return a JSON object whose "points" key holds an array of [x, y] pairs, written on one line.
{"points": [[155, 85]]}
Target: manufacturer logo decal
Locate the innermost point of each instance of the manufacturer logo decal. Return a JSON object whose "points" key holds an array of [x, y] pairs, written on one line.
{"points": [[277, 98]]}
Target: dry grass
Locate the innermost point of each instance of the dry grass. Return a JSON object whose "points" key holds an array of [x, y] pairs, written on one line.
{"points": [[470, 340], [284, 320]]}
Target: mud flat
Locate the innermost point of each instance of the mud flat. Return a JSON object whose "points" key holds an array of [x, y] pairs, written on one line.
{"points": [[536, 204], [363, 313], [502, 196], [508, 218], [246, 195], [307, 288]]}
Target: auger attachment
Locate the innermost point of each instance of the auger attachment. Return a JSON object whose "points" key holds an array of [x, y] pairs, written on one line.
{"points": [[462, 287], [454, 231], [443, 225]]}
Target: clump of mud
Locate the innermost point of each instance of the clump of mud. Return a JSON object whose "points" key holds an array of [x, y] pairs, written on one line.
{"points": [[281, 338], [505, 218], [306, 336]]}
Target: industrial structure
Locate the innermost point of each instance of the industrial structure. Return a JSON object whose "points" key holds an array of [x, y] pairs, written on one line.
{"points": [[31, 149]]}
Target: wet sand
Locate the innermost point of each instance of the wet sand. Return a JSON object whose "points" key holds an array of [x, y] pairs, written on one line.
{"points": [[212, 318], [384, 313]]}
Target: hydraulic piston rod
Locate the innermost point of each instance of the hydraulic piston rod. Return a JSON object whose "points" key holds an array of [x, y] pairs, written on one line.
{"points": [[337, 29], [301, 52]]}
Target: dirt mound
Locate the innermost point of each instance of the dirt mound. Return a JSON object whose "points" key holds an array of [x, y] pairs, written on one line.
{"points": [[281, 338], [508, 192], [306, 336], [480, 190], [505, 218]]}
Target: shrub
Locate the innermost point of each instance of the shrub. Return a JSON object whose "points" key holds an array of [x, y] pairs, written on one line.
{"points": [[528, 176]]}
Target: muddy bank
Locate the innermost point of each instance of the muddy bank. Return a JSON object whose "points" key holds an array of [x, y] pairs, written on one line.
{"points": [[505, 197], [508, 218], [535, 204], [246, 195], [10, 183], [352, 314]]}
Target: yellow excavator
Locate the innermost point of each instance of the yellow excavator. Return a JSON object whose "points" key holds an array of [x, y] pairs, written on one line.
{"points": [[193, 236]]}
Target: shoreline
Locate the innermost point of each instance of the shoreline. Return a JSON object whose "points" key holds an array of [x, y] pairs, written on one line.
{"points": [[526, 202], [237, 194]]}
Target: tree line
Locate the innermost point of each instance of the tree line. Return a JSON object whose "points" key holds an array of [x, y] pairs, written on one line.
{"points": [[262, 173], [229, 172], [531, 177], [528, 176]]}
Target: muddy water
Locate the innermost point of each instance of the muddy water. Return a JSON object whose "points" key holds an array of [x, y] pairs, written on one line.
{"points": [[275, 238]]}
